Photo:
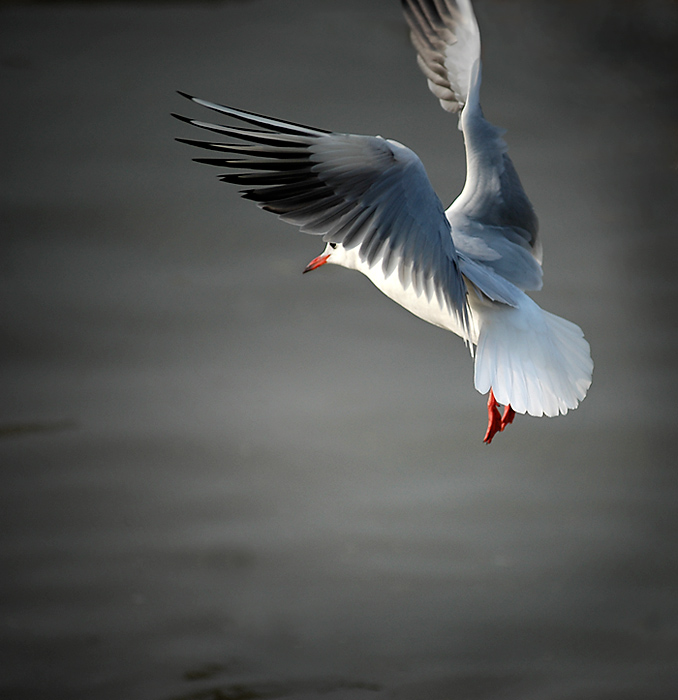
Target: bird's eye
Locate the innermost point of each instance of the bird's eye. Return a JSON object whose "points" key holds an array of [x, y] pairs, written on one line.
{"points": [[333, 245]]}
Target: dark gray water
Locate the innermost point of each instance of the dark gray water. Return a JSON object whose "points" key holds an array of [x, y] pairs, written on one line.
{"points": [[223, 480]]}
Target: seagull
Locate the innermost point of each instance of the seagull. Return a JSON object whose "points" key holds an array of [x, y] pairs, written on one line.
{"points": [[466, 268]]}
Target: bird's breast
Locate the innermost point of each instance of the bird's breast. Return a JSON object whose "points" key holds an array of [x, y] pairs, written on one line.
{"points": [[422, 305]]}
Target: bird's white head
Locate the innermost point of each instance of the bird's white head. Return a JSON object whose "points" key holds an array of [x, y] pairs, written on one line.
{"points": [[334, 253]]}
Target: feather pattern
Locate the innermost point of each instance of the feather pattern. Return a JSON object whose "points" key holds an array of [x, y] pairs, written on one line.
{"points": [[447, 40]]}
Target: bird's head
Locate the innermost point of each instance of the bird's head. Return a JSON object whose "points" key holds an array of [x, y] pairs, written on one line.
{"points": [[331, 254]]}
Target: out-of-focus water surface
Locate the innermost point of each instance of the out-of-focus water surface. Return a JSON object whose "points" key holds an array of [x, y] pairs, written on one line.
{"points": [[221, 479]]}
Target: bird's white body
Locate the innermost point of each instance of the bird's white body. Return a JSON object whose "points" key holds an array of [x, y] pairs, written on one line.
{"points": [[425, 307], [466, 269]]}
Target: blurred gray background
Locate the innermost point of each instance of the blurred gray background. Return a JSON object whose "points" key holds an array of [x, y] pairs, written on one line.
{"points": [[223, 480]]}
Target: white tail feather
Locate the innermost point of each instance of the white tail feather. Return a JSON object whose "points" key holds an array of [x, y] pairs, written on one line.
{"points": [[537, 362]]}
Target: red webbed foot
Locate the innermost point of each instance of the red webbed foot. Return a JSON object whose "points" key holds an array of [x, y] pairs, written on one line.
{"points": [[507, 418], [496, 422], [493, 419]]}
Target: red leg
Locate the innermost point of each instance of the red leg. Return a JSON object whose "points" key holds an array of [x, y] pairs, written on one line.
{"points": [[493, 419]]}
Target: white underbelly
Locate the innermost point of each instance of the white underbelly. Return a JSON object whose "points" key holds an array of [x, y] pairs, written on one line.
{"points": [[421, 305]]}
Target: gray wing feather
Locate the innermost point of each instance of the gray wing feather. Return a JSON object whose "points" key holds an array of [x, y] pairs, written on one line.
{"points": [[493, 209], [447, 40], [363, 192]]}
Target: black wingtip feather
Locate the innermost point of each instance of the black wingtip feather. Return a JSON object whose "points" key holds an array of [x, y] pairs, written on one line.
{"points": [[194, 142], [181, 118], [211, 161]]}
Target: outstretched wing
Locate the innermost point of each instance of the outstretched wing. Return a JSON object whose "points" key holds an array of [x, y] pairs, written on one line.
{"points": [[364, 192], [493, 222]]}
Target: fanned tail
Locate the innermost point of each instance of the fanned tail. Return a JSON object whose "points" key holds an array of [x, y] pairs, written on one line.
{"points": [[533, 360]]}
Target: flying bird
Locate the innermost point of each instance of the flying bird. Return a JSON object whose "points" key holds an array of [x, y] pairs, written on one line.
{"points": [[466, 268]]}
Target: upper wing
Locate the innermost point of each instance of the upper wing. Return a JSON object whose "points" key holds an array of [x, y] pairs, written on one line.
{"points": [[493, 222], [363, 192]]}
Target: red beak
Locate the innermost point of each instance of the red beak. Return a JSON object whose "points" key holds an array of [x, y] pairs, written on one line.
{"points": [[316, 262]]}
